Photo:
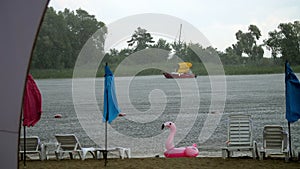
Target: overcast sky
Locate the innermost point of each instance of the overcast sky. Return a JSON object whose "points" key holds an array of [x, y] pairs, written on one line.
{"points": [[218, 20]]}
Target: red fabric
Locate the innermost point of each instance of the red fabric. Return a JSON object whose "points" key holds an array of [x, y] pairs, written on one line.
{"points": [[32, 103]]}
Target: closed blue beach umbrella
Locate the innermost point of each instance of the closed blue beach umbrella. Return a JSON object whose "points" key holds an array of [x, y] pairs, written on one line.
{"points": [[110, 104], [292, 96]]}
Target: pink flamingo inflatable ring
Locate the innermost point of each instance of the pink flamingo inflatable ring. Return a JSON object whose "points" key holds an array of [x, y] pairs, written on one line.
{"points": [[172, 152]]}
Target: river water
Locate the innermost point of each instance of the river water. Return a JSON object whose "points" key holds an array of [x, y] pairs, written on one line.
{"points": [[200, 108]]}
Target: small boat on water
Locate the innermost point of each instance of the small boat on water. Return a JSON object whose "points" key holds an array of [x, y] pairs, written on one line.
{"points": [[183, 71], [184, 68], [175, 75]]}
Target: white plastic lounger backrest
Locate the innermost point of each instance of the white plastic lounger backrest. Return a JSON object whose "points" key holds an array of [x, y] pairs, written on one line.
{"points": [[32, 143], [240, 130], [68, 141], [273, 137]]}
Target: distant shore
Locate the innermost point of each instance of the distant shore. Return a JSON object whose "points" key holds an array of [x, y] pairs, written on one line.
{"points": [[199, 70]]}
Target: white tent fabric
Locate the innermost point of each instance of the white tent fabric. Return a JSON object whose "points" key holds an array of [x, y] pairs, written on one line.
{"points": [[20, 21]]}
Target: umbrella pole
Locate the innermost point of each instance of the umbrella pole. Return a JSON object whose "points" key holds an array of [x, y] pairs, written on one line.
{"points": [[105, 152], [24, 128], [290, 141]]}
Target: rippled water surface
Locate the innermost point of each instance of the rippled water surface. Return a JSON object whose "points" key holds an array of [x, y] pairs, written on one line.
{"points": [[149, 101]]}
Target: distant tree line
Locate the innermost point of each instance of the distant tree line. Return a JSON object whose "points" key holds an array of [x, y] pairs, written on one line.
{"points": [[64, 33]]}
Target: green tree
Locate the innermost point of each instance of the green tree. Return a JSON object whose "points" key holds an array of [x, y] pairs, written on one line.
{"points": [[81, 27], [193, 53], [230, 57], [247, 43], [52, 43], [162, 44], [62, 37], [273, 44], [125, 52], [141, 39], [285, 42], [181, 49]]}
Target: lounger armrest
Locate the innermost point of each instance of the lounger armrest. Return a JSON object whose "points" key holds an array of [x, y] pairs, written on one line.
{"points": [[58, 147]]}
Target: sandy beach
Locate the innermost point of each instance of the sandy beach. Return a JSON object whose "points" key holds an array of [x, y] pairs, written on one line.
{"points": [[164, 163]]}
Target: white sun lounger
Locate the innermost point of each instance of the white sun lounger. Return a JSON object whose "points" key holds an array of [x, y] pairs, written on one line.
{"points": [[274, 142], [239, 136], [68, 143], [33, 146]]}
